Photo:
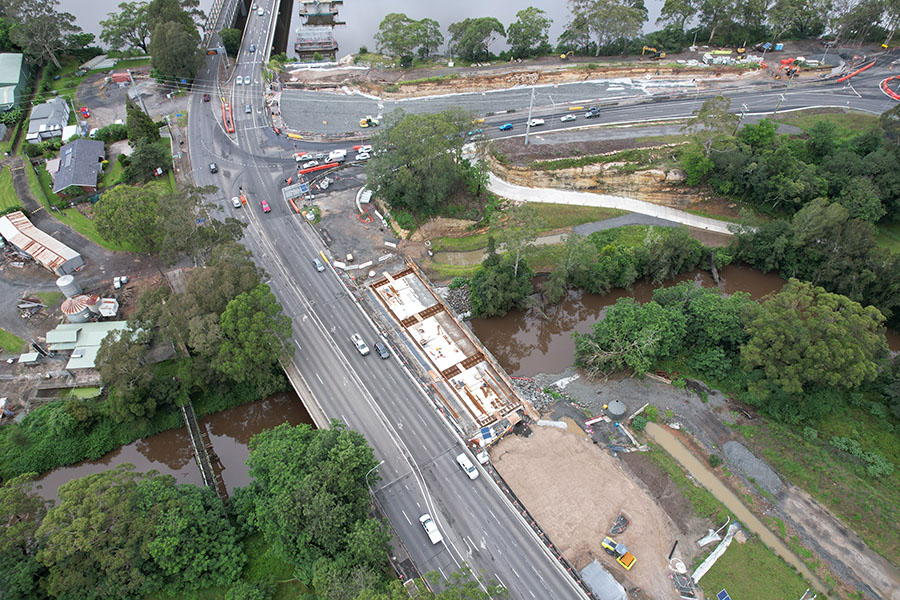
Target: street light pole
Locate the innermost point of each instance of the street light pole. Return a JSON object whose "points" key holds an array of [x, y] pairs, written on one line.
{"points": [[369, 473], [528, 123]]}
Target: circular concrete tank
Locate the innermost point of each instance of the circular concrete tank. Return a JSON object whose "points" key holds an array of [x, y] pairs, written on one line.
{"points": [[68, 286], [616, 410]]}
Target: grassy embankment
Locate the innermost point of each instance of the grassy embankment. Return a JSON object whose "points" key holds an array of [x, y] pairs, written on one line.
{"points": [[739, 569], [556, 218], [11, 343], [8, 198]]}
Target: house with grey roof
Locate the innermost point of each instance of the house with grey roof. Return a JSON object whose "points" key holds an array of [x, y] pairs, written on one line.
{"points": [[47, 120], [80, 163], [13, 79]]}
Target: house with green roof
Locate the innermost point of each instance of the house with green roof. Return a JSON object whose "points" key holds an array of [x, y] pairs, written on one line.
{"points": [[13, 80]]}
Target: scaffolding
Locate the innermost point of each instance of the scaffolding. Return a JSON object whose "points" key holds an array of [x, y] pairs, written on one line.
{"points": [[314, 35]]}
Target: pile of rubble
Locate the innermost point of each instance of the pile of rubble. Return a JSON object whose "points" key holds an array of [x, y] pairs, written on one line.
{"points": [[457, 299], [538, 396]]}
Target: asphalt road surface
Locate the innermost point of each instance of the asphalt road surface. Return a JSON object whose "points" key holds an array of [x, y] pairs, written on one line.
{"points": [[376, 397]]}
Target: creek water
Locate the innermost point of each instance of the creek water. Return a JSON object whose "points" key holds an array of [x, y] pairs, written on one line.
{"points": [[701, 473], [526, 344], [169, 452]]}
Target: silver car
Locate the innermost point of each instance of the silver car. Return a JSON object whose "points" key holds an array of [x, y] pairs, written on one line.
{"points": [[359, 343]]}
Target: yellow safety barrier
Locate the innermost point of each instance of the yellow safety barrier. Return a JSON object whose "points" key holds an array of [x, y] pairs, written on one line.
{"points": [[576, 108], [295, 136]]}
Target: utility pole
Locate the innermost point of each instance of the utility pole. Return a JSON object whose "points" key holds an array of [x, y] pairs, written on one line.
{"points": [[528, 123]]}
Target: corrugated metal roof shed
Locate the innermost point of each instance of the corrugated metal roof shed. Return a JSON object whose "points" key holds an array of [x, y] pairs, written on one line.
{"points": [[88, 337], [48, 251]]}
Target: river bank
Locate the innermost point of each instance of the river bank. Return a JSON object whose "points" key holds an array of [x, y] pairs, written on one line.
{"points": [[229, 432]]}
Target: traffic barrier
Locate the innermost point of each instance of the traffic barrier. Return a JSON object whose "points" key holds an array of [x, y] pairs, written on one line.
{"points": [[887, 90], [856, 72], [317, 168], [226, 117], [296, 210]]}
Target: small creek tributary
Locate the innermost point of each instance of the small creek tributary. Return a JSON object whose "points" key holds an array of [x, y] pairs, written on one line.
{"points": [[527, 344], [707, 479], [169, 452]]}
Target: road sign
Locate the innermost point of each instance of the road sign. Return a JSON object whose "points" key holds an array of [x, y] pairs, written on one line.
{"points": [[304, 188]]}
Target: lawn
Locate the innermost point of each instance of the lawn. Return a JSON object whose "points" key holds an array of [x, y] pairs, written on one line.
{"points": [[9, 342], [112, 175], [705, 505], [8, 198], [70, 216], [846, 124], [554, 216], [750, 571], [50, 299], [889, 236]]}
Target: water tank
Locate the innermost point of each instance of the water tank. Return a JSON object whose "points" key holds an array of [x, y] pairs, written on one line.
{"points": [[76, 309], [93, 303], [68, 286], [616, 410]]}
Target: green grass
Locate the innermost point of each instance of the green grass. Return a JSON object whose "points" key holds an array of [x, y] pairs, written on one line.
{"points": [[675, 138], [751, 571], [889, 236], [8, 198], [709, 215], [544, 258], [113, 174], [705, 505], [554, 216], [846, 124], [428, 79], [637, 157], [449, 271], [50, 299], [10, 342], [85, 392], [132, 63], [70, 216], [834, 478]]}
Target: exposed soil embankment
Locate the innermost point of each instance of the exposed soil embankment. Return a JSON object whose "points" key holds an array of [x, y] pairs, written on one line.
{"points": [[660, 186]]}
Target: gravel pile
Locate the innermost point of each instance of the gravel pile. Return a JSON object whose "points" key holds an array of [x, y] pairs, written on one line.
{"points": [[751, 467], [533, 391]]}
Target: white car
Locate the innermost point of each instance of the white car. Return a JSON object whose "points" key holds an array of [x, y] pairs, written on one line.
{"points": [[359, 343], [466, 465], [565, 118], [363, 156], [238, 80], [535, 122], [365, 149], [431, 529], [236, 202], [310, 164], [261, 12]]}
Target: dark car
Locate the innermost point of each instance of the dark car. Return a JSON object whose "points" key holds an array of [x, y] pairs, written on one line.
{"points": [[206, 97], [381, 349], [213, 168], [252, 48], [592, 112]]}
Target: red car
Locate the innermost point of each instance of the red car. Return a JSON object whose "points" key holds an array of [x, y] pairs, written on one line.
{"points": [[85, 112], [265, 206], [206, 97]]}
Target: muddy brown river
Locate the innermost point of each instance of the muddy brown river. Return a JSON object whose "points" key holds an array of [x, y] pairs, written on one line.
{"points": [[526, 344], [169, 452]]}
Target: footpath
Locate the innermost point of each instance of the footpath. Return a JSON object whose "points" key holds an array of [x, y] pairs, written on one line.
{"points": [[556, 196]]}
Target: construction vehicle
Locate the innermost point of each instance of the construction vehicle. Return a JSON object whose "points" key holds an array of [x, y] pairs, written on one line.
{"points": [[566, 55], [656, 54], [368, 121], [619, 551], [787, 67]]}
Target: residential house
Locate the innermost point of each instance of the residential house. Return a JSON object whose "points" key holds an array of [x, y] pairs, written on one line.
{"points": [[80, 163], [48, 120], [13, 80]]}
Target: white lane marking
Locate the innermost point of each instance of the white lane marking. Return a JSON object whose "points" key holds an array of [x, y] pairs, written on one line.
{"points": [[516, 573], [493, 515], [319, 378], [500, 580], [297, 342], [405, 517], [537, 573]]}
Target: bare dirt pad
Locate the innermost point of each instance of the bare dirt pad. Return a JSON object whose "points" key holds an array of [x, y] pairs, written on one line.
{"points": [[521, 155], [575, 491]]}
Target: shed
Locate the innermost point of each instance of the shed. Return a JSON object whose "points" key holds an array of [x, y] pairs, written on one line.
{"points": [[46, 250], [83, 339], [602, 583], [13, 79], [29, 358], [121, 77]]}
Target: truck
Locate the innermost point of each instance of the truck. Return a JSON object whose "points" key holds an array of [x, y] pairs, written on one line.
{"points": [[337, 156], [431, 529]]}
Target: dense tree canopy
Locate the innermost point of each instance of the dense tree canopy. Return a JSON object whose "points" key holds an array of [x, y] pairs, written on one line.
{"points": [[806, 337], [21, 513], [607, 21], [399, 35], [141, 128], [39, 29], [470, 39], [128, 27], [419, 163], [231, 40], [175, 52], [527, 35]]}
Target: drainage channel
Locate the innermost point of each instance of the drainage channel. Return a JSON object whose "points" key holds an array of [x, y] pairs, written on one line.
{"points": [[701, 473]]}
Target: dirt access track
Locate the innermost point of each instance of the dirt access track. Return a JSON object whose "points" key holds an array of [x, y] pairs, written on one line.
{"points": [[575, 490]]}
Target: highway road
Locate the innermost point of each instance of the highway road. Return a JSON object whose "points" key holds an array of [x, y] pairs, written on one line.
{"points": [[376, 397]]}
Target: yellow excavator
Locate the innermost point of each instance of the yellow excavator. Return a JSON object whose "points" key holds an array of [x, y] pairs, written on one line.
{"points": [[566, 55], [655, 54]]}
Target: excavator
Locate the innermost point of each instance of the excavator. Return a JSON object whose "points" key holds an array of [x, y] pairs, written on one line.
{"points": [[566, 55], [656, 54], [368, 121]]}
